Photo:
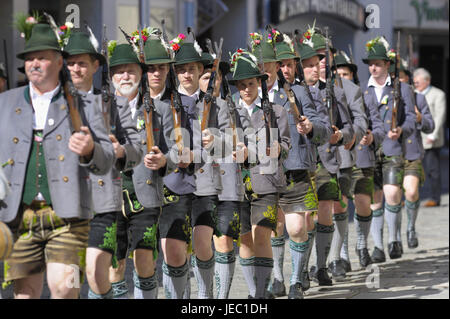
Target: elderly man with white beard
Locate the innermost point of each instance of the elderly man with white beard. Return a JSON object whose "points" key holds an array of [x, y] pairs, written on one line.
{"points": [[143, 185]]}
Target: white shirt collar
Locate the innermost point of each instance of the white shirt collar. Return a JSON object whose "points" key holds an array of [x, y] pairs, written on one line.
{"points": [[41, 105], [195, 95], [373, 83], [159, 96], [250, 108]]}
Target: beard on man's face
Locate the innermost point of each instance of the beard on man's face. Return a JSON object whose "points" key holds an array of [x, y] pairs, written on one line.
{"points": [[125, 87]]}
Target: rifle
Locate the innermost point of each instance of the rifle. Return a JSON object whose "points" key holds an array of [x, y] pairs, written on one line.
{"points": [[175, 98], [146, 99], [355, 75], [231, 110], [410, 58], [396, 86], [329, 86], [70, 92], [211, 84], [106, 95], [6, 64], [269, 116]]}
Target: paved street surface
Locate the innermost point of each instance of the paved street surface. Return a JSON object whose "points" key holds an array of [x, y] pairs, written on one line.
{"points": [[420, 273]]}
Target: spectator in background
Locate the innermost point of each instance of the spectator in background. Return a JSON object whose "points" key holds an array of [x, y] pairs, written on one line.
{"points": [[435, 141], [3, 78]]}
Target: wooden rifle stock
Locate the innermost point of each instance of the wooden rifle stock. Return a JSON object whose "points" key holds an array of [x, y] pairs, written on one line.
{"points": [[71, 94], [396, 86], [295, 110]]}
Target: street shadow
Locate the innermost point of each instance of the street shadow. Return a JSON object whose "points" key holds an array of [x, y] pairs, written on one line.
{"points": [[402, 279]]}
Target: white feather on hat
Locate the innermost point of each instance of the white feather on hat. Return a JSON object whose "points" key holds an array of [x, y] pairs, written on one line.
{"points": [[92, 38], [198, 48], [385, 43]]}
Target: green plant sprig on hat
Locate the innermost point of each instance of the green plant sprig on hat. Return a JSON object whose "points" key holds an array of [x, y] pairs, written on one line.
{"points": [[111, 47], [25, 23], [239, 54]]}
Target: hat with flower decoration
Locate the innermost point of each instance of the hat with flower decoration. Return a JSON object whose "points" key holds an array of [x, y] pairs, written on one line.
{"points": [[315, 38], [186, 48], [121, 54], [244, 65], [378, 49], [306, 51], [285, 48], [265, 43], [83, 43], [157, 51], [403, 66]]}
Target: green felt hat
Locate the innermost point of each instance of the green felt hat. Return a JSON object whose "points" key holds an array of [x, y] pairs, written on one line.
{"points": [[79, 43], [307, 52], [284, 51], [156, 53], [208, 61], [343, 60], [245, 66], [187, 54], [268, 52], [42, 38], [317, 42], [377, 49], [123, 54]]}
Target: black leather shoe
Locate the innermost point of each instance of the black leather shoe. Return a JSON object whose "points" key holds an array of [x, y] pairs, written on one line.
{"points": [[378, 256], [323, 278], [413, 242], [295, 291], [400, 245], [278, 288], [305, 280], [364, 257], [346, 265], [394, 250], [337, 270]]}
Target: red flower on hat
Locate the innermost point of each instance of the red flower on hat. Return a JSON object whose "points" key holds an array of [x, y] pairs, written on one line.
{"points": [[175, 47], [63, 27]]}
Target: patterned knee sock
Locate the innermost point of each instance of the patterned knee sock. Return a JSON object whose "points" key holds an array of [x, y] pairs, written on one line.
{"points": [[412, 210], [187, 289], [311, 240], [299, 252], [120, 289], [263, 270], [145, 288], [204, 273], [391, 214], [248, 269], [399, 226], [341, 227], [224, 271], [174, 280], [344, 249], [362, 224], [376, 228], [93, 295], [324, 237], [278, 257]]}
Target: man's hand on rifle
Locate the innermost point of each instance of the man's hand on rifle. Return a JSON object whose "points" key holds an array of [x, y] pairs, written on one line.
{"points": [[418, 115], [241, 153], [367, 139], [395, 135], [156, 160], [336, 136], [185, 158], [350, 144], [119, 150], [304, 126], [207, 139], [82, 143]]}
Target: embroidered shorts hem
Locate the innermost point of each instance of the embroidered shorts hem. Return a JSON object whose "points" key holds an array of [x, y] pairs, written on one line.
{"points": [[415, 168], [345, 181], [102, 234], [389, 170], [260, 211], [362, 181], [203, 210], [228, 219], [174, 221], [299, 195], [43, 238], [326, 184]]}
